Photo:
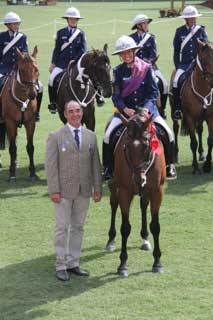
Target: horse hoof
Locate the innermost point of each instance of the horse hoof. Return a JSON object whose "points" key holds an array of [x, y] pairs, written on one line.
{"points": [[207, 167], [157, 269], [123, 272], [146, 246], [12, 180], [33, 178], [201, 157], [110, 247]]}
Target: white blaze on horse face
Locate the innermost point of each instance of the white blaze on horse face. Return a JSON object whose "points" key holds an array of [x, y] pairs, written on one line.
{"points": [[136, 143]]}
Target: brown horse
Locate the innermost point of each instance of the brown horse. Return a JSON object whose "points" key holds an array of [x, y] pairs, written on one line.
{"points": [[82, 81], [18, 101], [197, 105], [139, 169]]}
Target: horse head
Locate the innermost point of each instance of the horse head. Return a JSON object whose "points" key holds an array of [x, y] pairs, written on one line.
{"points": [[205, 61], [97, 67], [137, 148], [27, 72]]}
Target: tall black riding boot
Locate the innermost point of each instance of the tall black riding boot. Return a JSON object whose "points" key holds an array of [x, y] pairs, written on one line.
{"points": [[39, 99], [52, 96], [163, 99], [169, 150], [177, 114], [107, 156]]}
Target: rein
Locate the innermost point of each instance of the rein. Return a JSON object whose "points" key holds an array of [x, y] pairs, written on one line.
{"points": [[209, 96], [143, 168], [24, 103]]}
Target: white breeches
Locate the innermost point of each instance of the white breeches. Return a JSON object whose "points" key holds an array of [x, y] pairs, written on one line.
{"points": [[113, 124], [159, 75], [178, 73], [116, 121], [163, 123], [53, 74]]}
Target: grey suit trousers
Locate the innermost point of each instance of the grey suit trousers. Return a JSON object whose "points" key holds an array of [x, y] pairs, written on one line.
{"points": [[70, 215]]}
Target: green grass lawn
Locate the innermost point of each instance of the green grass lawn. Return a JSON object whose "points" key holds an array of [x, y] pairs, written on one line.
{"points": [[28, 288]]}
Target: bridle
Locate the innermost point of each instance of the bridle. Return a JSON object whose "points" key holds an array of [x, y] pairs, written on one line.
{"points": [[208, 99], [88, 79]]}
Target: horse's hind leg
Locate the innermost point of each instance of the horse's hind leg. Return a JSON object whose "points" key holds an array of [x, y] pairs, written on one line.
{"points": [[207, 166], [200, 142], [176, 131], [155, 230], [12, 133], [144, 231], [30, 128], [114, 205]]}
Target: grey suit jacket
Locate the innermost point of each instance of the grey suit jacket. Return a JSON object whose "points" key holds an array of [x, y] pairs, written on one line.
{"points": [[69, 170]]}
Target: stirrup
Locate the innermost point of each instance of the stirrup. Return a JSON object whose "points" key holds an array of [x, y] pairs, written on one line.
{"points": [[177, 115], [107, 173]]}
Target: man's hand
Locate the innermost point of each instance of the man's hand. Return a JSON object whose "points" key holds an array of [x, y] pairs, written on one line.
{"points": [[97, 196], [51, 67], [55, 197]]}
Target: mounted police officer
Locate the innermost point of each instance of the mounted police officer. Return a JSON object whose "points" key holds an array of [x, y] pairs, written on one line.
{"points": [[185, 50], [133, 87], [148, 50], [9, 41]]}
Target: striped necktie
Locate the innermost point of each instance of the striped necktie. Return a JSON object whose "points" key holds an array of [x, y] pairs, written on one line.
{"points": [[77, 140]]}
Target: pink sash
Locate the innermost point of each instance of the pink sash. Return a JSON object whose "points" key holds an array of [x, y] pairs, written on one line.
{"points": [[139, 72]]}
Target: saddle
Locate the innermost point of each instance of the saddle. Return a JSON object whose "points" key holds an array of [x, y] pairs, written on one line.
{"points": [[3, 81], [115, 136]]}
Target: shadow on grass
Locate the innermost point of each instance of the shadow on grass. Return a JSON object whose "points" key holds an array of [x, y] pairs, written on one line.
{"points": [[31, 284]]}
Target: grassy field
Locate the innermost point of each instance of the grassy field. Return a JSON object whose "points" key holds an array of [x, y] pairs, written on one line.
{"points": [[28, 288]]}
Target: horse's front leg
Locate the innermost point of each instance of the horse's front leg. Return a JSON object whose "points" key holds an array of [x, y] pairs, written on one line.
{"points": [[89, 116], [30, 128], [194, 145], [12, 133], [155, 203], [146, 245], [114, 205], [124, 201], [207, 166]]}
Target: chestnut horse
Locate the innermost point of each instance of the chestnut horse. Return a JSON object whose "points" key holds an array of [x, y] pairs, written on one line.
{"points": [[139, 168], [82, 81], [18, 102], [197, 106]]}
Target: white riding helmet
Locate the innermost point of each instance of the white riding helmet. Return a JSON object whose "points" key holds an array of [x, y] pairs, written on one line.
{"points": [[190, 12], [140, 18], [72, 13], [124, 43], [11, 17]]}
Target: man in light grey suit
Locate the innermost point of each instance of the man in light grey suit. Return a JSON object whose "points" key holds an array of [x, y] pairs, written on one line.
{"points": [[73, 175]]}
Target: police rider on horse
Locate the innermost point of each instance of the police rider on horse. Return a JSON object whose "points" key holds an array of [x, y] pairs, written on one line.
{"points": [[185, 51], [148, 50], [70, 45], [9, 41], [134, 87]]}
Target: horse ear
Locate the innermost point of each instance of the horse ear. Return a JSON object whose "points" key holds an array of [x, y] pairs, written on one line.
{"points": [[124, 119], [19, 54], [105, 48], [35, 51]]}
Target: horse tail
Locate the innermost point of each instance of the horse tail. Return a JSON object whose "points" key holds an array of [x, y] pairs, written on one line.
{"points": [[2, 136], [184, 131]]}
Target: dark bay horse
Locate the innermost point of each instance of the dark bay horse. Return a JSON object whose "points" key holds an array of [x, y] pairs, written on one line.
{"points": [[139, 169], [197, 105], [18, 101], [82, 81]]}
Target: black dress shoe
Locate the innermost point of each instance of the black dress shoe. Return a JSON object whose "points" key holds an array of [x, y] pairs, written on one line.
{"points": [[171, 173], [62, 275], [79, 272], [52, 107]]}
